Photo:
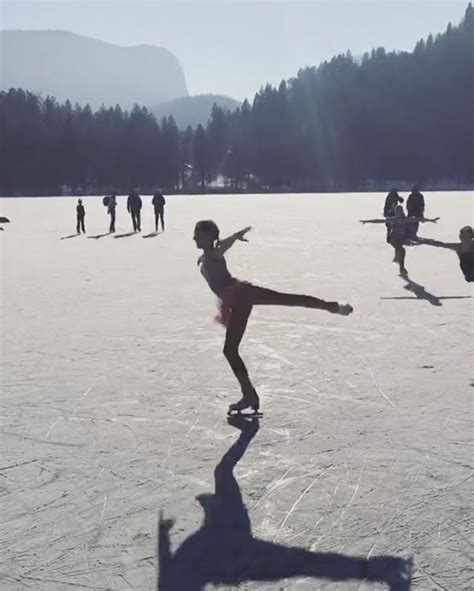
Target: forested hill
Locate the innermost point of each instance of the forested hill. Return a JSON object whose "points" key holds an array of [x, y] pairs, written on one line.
{"points": [[342, 125], [193, 110]]}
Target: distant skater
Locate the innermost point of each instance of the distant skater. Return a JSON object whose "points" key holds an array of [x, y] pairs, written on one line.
{"points": [[3, 220], [80, 215], [237, 299], [159, 202], [392, 200], [134, 205], [415, 209], [111, 206], [464, 249], [397, 234]]}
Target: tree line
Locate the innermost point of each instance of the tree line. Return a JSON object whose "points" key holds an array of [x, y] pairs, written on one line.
{"points": [[342, 125]]}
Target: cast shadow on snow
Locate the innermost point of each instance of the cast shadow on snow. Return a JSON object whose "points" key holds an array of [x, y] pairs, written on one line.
{"points": [[224, 551], [70, 236], [151, 235], [97, 236], [421, 294], [125, 235]]}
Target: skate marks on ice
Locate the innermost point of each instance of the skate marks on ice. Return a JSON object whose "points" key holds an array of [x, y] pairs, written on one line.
{"points": [[225, 552], [421, 294]]}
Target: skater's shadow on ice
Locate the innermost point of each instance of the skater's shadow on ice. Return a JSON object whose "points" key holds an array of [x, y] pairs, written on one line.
{"points": [[224, 551], [421, 294], [125, 235], [69, 236], [97, 236], [151, 235]]}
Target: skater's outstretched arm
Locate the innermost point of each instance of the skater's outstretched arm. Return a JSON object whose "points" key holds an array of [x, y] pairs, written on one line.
{"points": [[439, 243], [226, 243], [164, 551], [412, 220], [403, 220]]}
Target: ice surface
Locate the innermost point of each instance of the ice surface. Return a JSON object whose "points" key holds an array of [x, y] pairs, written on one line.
{"points": [[115, 390]]}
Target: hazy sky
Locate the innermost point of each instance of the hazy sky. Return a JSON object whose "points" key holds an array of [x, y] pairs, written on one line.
{"points": [[235, 47]]}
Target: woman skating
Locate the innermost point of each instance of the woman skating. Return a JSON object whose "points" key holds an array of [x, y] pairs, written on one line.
{"points": [[237, 299], [464, 249]]}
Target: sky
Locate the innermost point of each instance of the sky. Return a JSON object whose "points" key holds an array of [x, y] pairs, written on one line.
{"points": [[235, 47]]}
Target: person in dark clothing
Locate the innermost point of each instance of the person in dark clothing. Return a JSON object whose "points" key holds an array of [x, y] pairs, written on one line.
{"points": [[464, 249], [134, 205], [415, 204], [415, 209], [80, 214], [158, 202], [111, 205], [397, 234], [391, 203]]}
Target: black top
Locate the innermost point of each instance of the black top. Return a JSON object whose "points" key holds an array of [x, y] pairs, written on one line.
{"points": [[391, 202], [158, 201], [81, 212], [466, 262], [134, 203], [416, 204]]}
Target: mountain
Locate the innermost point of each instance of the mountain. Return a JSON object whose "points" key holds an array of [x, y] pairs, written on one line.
{"points": [[86, 70], [193, 110]]}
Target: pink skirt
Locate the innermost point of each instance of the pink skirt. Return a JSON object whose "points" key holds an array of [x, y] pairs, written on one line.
{"points": [[226, 301]]}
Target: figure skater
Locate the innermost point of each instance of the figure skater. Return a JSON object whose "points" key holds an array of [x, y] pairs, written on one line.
{"points": [[80, 217], [464, 249], [397, 235], [237, 299]]}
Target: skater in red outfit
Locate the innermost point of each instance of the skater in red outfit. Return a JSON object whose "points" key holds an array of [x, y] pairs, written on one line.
{"points": [[237, 299]]}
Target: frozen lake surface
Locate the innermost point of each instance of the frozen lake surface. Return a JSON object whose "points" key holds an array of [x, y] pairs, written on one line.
{"points": [[115, 391]]}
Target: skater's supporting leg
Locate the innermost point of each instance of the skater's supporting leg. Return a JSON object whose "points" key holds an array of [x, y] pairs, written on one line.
{"points": [[401, 260], [83, 226], [112, 221], [263, 296], [78, 226], [162, 216], [235, 331], [156, 220]]}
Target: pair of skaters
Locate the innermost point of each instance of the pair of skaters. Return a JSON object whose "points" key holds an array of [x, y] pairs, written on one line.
{"points": [[237, 298], [415, 209], [134, 206]]}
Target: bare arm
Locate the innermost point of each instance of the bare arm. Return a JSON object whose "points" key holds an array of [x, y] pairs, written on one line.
{"points": [[413, 220], [439, 244], [226, 243]]}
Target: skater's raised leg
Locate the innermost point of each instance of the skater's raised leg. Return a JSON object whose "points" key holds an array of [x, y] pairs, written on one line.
{"points": [[268, 297], [235, 331]]}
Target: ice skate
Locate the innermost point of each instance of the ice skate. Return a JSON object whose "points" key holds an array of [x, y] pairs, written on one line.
{"points": [[344, 309], [251, 401]]}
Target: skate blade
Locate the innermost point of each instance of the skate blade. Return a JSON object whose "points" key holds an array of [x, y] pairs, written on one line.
{"points": [[246, 413]]}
